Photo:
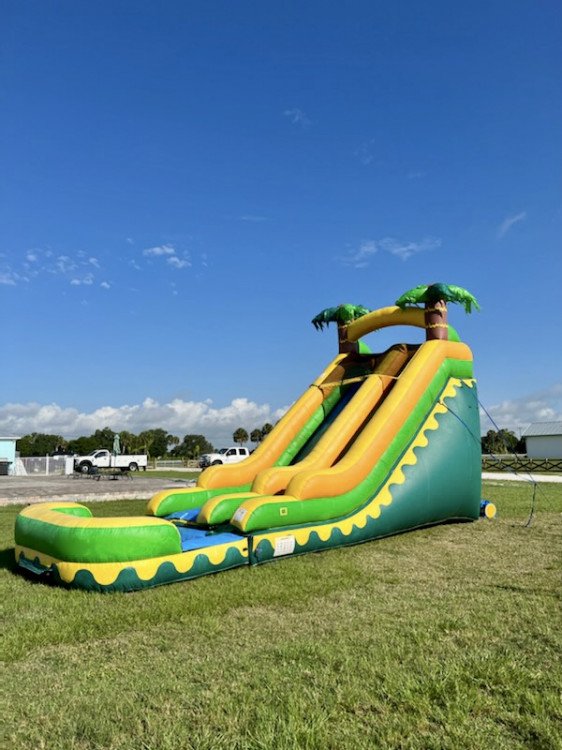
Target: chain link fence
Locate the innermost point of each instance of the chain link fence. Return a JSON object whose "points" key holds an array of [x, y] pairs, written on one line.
{"points": [[59, 465], [173, 463], [41, 465]]}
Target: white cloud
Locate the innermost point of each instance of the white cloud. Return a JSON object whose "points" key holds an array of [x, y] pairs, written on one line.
{"points": [[86, 280], [365, 152], [363, 256], [507, 223], [31, 257], [516, 414], [253, 218], [94, 262], [65, 264], [177, 417], [405, 250], [297, 117], [176, 262], [105, 285], [135, 265], [7, 279], [167, 252], [159, 250]]}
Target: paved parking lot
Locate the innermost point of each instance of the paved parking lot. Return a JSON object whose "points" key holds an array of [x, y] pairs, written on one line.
{"points": [[36, 489]]}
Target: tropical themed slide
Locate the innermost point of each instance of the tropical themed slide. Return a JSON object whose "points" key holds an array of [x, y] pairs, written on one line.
{"points": [[380, 443]]}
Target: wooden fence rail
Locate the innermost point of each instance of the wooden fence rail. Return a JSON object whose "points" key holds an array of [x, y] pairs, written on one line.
{"points": [[520, 463]]}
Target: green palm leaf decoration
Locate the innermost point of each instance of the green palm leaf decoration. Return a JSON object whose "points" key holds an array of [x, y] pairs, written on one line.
{"points": [[342, 315], [435, 298], [432, 293]]}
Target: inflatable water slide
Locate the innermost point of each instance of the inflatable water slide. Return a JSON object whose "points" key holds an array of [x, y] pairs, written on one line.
{"points": [[378, 444]]}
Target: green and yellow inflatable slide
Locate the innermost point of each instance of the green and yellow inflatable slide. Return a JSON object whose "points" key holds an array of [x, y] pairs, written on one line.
{"points": [[378, 444]]}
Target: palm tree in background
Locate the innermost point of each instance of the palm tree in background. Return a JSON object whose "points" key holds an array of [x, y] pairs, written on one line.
{"points": [[435, 298], [265, 430], [342, 315], [256, 436], [240, 436]]}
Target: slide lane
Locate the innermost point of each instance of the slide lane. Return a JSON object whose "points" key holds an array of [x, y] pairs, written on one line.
{"points": [[345, 427], [220, 508], [318, 495], [288, 438], [354, 412]]}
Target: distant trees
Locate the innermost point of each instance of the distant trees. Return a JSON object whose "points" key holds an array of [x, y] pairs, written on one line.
{"points": [[82, 445], [256, 436], [157, 442], [38, 444], [192, 446], [240, 436], [129, 442], [266, 429], [502, 441]]}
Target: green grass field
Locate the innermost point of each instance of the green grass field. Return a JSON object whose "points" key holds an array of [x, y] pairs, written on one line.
{"points": [[448, 637]]}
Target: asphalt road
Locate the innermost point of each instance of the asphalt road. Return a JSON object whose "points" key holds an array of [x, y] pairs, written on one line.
{"points": [[37, 489]]}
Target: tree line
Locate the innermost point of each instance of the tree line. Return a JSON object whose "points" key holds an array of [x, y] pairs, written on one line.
{"points": [[502, 441], [157, 443]]}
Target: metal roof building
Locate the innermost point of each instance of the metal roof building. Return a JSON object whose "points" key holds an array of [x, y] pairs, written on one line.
{"points": [[543, 440], [7, 455]]}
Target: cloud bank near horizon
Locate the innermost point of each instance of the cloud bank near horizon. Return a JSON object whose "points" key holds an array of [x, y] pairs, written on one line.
{"points": [[180, 417], [516, 414], [177, 417]]}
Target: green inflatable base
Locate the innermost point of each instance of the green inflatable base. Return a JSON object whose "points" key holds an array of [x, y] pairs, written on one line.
{"points": [[443, 485]]}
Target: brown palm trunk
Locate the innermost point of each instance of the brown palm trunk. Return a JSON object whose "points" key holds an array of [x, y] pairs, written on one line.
{"points": [[346, 346], [436, 321]]}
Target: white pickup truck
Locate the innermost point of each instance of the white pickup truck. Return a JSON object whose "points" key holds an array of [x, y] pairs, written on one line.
{"points": [[224, 456], [104, 459]]}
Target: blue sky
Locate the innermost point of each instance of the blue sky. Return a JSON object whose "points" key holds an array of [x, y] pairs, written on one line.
{"points": [[184, 185]]}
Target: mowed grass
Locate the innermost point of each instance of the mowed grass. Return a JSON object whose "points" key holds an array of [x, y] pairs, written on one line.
{"points": [[448, 637]]}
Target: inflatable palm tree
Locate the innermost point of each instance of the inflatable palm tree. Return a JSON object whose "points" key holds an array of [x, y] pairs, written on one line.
{"points": [[342, 315], [435, 298]]}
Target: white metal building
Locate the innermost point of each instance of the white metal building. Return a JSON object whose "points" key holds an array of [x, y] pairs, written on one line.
{"points": [[7, 455], [544, 440]]}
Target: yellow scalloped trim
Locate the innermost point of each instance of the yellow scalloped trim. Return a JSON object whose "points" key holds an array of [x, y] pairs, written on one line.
{"points": [[106, 573], [384, 497]]}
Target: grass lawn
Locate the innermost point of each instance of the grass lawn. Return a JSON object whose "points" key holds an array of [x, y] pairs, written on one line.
{"points": [[448, 637]]}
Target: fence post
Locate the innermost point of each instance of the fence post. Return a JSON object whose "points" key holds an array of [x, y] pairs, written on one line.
{"points": [[47, 465]]}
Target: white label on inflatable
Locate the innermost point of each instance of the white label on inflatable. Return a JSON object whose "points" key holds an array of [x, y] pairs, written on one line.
{"points": [[284, 545], [239, 515]]}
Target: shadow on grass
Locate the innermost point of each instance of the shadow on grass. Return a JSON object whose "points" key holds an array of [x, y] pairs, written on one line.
{"points": [[8, 562], [8, 559]]}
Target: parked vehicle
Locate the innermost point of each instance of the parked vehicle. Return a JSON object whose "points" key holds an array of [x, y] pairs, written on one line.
{"points": [[104, 459], [224, 456]]}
